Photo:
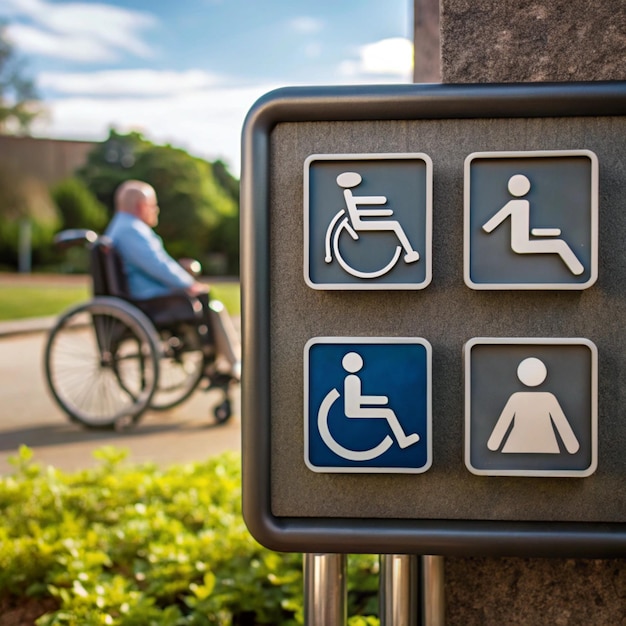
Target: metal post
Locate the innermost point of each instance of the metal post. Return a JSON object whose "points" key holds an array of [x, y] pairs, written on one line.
{"points": [[24, 252], [398, 590], [433, 593], [325, 599]]}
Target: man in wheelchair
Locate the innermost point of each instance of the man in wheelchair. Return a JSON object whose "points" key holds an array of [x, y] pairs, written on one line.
{"points": [[150, 270], [157, 283], [156, 334]]}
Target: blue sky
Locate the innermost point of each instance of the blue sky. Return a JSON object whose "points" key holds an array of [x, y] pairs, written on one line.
{"points": [[186, 72]]}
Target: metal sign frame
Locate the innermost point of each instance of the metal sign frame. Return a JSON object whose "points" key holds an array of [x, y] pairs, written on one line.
{"points": [[341, 535]]}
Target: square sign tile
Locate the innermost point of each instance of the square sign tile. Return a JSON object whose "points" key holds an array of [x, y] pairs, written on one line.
{"points": [[367, 404], [367, 221], [531, 220], [531, 407]]}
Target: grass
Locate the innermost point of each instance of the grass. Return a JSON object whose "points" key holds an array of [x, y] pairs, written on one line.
{"points": [[229, 295], [22, 301], [27, 300]]}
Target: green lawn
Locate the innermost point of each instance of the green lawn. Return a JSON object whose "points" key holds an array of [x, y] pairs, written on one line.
{"points": [[22, 301]]}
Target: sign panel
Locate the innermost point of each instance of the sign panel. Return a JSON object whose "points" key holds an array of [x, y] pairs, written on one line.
{"points": [[367, 405], [433, 320], [367, 221]]}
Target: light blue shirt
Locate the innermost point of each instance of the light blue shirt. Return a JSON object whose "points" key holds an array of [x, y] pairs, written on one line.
{"points": [[150, 270]]}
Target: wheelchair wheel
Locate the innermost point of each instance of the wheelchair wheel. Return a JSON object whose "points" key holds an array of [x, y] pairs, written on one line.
{"points": [[102, 363], [180, 370], [223, 412]]}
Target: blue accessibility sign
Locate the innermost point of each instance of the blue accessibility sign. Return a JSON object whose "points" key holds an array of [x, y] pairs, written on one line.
{"points": [[367, 404]]}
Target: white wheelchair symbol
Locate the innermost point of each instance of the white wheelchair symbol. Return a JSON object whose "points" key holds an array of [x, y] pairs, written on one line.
{"points": [[353, 223], [356, 405]]}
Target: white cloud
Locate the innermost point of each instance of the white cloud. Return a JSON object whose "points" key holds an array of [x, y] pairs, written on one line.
{"points": [[306, 25], [80, 31], [206, 122], [36, 41], [389, 57], [140, 82]]}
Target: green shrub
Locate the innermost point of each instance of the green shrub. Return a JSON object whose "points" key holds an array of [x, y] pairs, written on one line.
{"points": [[140, 546], [79, 207]]}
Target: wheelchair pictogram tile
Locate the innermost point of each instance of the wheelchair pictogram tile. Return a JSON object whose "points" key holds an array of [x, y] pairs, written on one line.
{"points": [[531, 219], [531, 407], [367, 221], [367, 405]]}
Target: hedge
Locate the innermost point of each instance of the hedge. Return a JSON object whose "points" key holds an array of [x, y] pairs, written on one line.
{"points": [[137, 545]]}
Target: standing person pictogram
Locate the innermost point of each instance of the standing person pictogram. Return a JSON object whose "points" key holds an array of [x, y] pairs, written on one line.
{"points": [[530, 418], [531, 406]]}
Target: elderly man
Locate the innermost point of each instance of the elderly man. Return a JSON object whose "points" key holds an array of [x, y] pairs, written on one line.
{"points": [[150, 270], [156, 282]]}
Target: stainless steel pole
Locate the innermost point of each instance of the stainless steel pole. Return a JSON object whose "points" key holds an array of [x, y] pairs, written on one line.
{"points": [[433, 592], [325, 600], [398, 590]]}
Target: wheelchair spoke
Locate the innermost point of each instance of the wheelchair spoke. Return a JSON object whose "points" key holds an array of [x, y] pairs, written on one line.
{"points": [[102, 372]]}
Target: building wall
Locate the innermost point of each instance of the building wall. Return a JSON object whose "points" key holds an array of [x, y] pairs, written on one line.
{"points": [[49, 160]]}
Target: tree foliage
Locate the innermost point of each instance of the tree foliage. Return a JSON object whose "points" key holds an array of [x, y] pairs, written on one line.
{"points": [[24, 199], [198, 201], [78, 206], [18, 97]]}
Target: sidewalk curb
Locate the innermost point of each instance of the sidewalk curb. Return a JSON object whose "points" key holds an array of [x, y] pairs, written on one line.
{"points": [[26, 326], [44, 324]]}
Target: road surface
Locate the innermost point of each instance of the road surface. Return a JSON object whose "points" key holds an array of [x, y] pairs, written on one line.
{"points": [[28, 415]]}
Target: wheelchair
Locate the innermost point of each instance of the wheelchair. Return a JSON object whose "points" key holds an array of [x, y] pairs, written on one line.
{"points": [[112, 358]]}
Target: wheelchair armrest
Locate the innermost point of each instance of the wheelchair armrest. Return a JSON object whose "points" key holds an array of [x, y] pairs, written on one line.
{"points": [[192, 266]]}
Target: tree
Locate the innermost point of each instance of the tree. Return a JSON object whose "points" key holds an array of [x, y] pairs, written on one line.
{"points": [[25, 206], [198, 218], [78, 206], [18, 98]]}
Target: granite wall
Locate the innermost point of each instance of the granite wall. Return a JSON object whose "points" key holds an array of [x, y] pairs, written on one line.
{"points": [[519, 41]]}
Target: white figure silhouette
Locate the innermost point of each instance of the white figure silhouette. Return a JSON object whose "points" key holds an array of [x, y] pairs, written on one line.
{"points": [[519, 210], [534, 415], [347, 181], [356, 403]]}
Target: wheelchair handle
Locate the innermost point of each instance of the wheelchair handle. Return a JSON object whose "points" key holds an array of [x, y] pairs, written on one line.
{"points": [[74, 237]]}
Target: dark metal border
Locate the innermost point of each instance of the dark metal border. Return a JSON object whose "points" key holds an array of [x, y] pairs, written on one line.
{"points": [[360, 103]]}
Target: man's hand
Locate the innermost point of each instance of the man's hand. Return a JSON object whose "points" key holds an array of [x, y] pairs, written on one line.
{"points": [[197, 289]]}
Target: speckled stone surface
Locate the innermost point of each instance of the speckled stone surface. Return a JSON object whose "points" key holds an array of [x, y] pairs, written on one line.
{"points": [[543, 40]]}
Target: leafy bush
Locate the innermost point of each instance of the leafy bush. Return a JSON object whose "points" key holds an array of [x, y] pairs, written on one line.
{"points": [[78, 206], [141, 546], [25, 207]]}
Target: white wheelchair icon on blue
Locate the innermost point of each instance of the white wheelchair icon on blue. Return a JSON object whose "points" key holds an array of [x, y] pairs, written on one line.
{"points": [[354, 220], [359, 406]]}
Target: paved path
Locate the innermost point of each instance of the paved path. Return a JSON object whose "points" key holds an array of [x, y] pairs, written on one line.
{"points": [[29, 416]]}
